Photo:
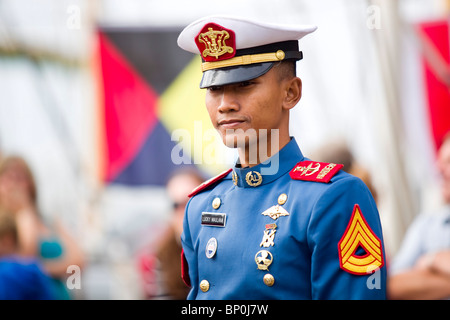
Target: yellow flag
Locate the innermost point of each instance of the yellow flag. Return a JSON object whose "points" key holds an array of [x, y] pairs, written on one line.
{"points": [[182, 111]]}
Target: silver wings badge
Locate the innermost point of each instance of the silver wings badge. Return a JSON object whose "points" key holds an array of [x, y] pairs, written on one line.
{"points": [[275, 212]]}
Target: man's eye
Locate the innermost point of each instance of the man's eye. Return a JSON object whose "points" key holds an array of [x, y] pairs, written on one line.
{"points": [[245, 83], [214, 88]]}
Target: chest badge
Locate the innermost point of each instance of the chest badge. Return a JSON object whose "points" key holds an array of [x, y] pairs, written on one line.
{"points": [[275, 212], [263, 259], [269, 235], [211, 248]]}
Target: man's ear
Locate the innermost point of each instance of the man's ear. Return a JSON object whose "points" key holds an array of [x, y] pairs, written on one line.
{"points": [[293, 92]]}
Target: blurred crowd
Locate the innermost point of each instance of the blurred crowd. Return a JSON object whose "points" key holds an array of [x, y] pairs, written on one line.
{"points": [[36, 255]]}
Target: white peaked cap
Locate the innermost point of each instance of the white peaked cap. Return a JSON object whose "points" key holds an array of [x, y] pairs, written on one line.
{"points": [[249, 33], [237, 49]]}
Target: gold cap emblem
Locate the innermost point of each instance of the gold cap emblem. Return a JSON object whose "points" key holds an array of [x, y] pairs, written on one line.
{"points": [[216, 42]]}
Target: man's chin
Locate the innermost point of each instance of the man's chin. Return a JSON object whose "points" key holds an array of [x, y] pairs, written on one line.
{"points": [[235, 141], [239, 138]]}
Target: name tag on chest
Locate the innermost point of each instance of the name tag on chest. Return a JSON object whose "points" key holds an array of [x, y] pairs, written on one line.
{"points": [[214, 219]]}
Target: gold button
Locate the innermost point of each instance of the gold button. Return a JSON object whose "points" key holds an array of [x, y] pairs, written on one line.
{"points": [[282, 199], [204, 285], [280, 54], [216, 203], [269, 280]]}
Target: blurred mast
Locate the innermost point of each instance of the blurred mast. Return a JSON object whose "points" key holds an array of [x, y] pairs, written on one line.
{"points": [[402, 206]]}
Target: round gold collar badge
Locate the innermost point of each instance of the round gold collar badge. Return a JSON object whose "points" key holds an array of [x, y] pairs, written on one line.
{"points": [[253, 178]]}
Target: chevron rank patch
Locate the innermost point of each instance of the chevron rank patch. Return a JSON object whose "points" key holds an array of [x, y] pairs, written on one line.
{"points": [[359, 235], [315, 171]]}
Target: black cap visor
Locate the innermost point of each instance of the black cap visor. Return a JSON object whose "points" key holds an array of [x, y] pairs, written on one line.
{"points": [[229, 75]]}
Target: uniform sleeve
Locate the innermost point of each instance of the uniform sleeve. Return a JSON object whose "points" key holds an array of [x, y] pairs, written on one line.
{"points": [[188, 256], [345, 239]]}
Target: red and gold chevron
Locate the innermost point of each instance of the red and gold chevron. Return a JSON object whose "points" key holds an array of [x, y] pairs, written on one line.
{"points": [[359, 234]]}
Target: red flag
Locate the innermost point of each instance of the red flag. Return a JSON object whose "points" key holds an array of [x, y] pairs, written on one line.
{"points": [[129, 109], [434, 37]]}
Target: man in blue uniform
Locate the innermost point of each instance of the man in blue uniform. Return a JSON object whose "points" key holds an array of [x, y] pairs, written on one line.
{"points": [[277, 225]]}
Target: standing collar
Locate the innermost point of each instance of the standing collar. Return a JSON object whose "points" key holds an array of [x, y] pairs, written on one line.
{"points": [[270, 170]]}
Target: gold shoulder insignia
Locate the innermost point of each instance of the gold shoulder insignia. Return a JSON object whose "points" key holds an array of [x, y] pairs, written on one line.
{"points": [[359, 234]]}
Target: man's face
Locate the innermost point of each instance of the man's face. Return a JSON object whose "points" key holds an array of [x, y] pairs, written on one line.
{"points": [[255, 104]]}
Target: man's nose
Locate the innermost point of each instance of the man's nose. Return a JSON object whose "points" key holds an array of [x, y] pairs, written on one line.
{"points": [[228, 101]]}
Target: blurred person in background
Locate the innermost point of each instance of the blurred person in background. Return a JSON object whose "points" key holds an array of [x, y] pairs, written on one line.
{"points": [[20, 278], [421, 268], [166, 265], [53, 246]]}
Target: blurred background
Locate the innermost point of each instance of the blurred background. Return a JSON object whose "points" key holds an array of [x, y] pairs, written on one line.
{"points": [[99, 100]]}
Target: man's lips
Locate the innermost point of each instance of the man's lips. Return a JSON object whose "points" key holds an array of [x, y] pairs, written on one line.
{"points": [[231, 123]]}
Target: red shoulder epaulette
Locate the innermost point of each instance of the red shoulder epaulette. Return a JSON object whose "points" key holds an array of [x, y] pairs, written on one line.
{"points": [[209, 182], [314, 171]]}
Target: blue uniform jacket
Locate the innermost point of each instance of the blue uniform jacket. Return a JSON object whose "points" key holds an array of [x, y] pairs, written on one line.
{"points": [[328, 246]]}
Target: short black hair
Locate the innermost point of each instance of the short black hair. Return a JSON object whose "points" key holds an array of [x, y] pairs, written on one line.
{"points": [[286, 69]]}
